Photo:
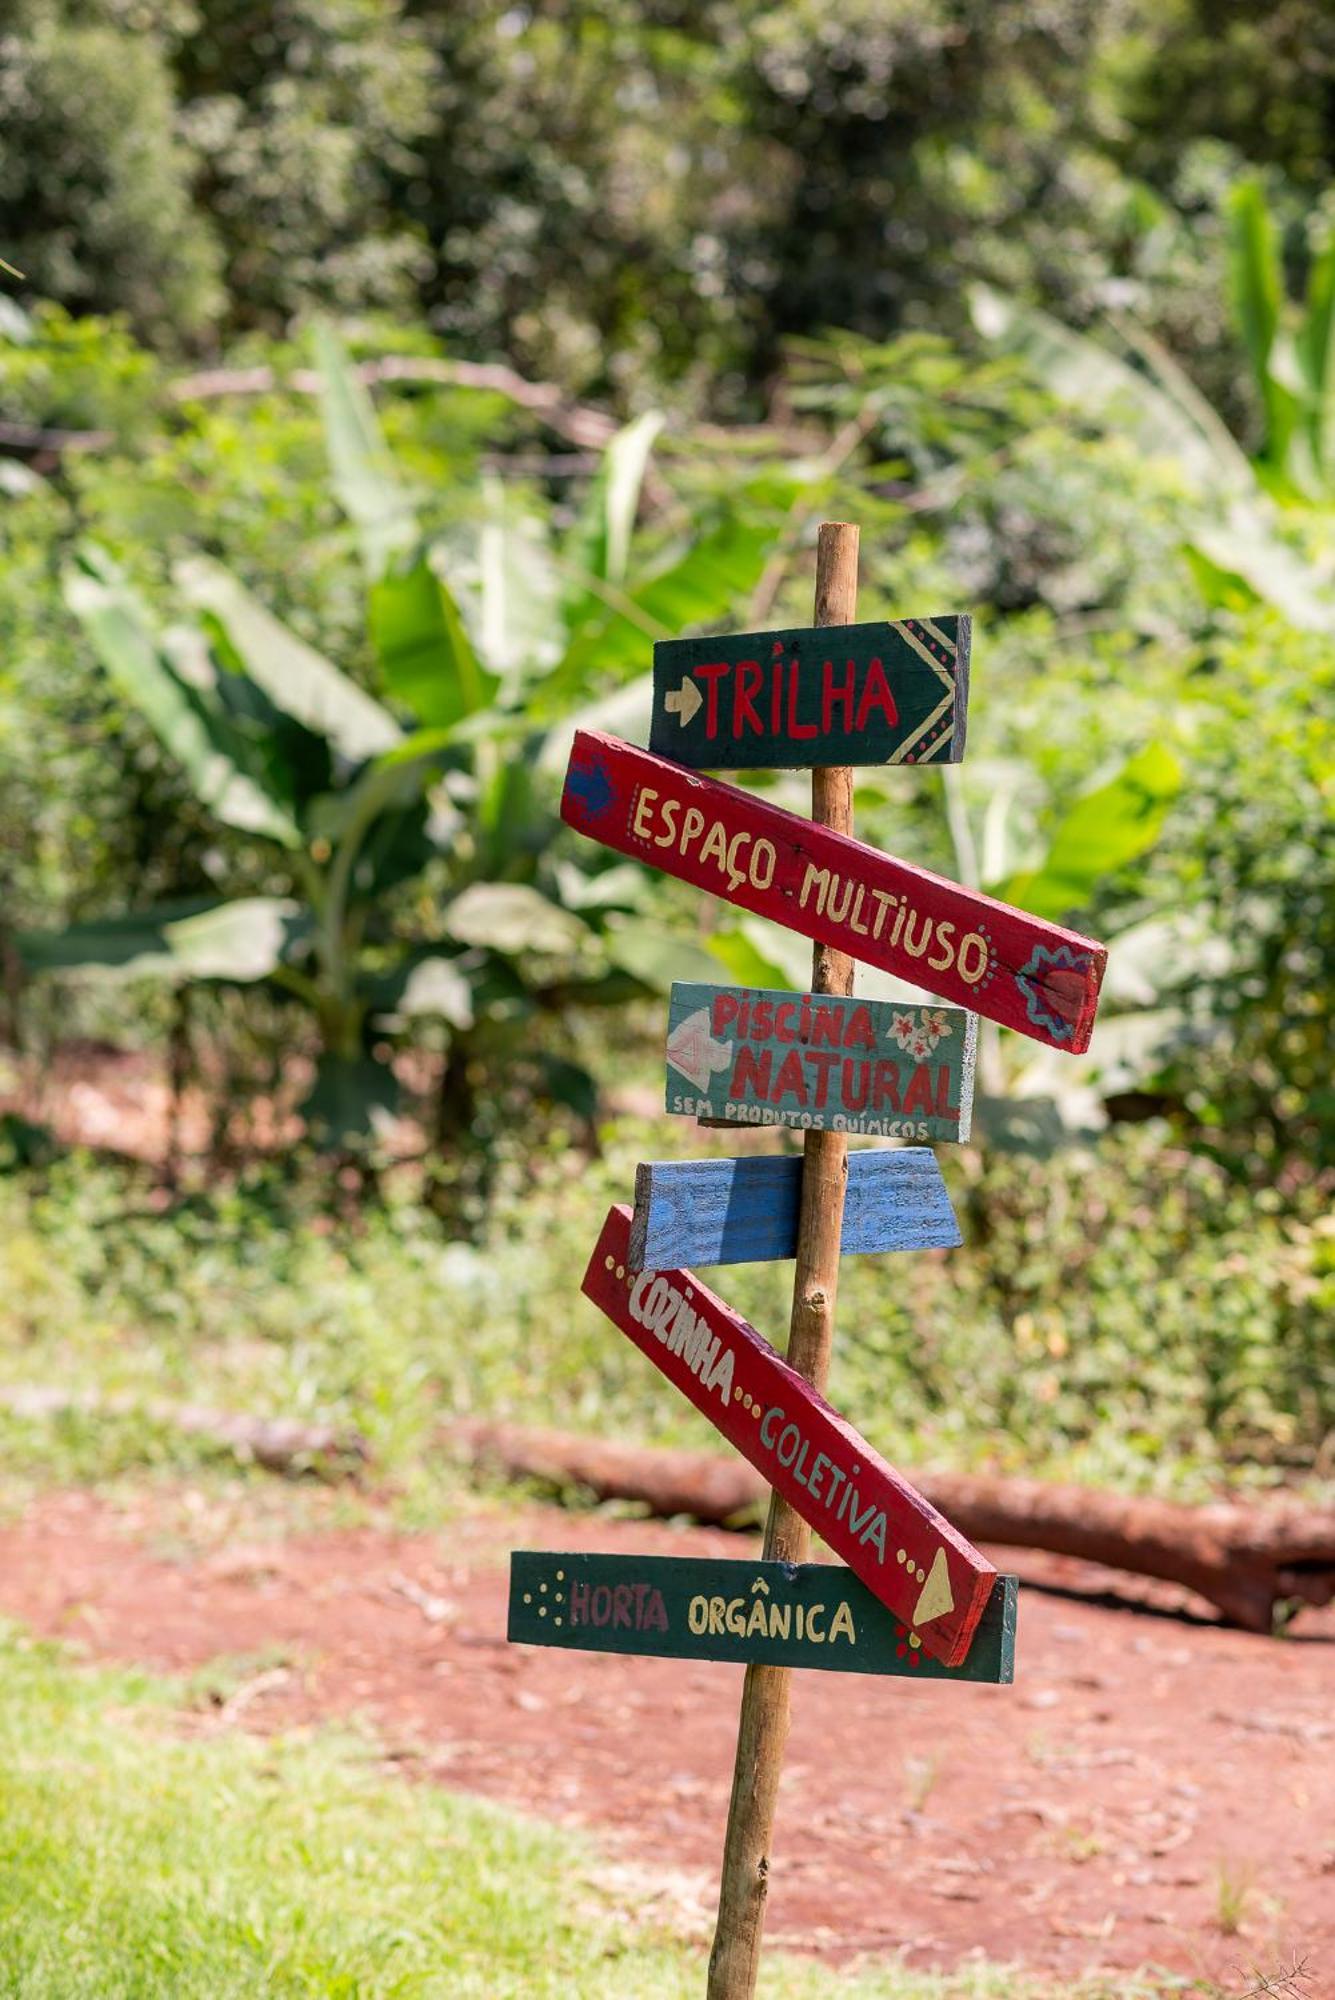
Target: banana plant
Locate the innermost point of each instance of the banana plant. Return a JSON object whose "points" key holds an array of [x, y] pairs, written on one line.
{"points": [[1291, 347], [1024, 1101], [484, 651], [1234, 535]]}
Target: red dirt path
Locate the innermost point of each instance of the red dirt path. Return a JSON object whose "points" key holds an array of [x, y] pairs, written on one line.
{"points": [[1084, 1819]]}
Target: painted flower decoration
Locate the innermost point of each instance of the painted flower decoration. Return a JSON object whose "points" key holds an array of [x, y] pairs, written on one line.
{"points": [[1053, 985], [902, 1030], [934, 1025], [919, 1032]]}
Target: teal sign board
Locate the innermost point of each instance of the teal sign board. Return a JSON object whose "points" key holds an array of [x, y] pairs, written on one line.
{"points": [[750, 1056], [894, 692], [778, 1614]]}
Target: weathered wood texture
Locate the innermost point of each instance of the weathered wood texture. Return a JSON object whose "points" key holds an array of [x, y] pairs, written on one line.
{"points": [[741, 1055], [893, 692], [966, 947], [873, 1520], [1250, 1561], [781, 1614], [747, 1211]]}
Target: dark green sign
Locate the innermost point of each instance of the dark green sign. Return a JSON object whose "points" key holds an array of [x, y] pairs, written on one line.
{"points": [[894, 692], [781, 1614]]}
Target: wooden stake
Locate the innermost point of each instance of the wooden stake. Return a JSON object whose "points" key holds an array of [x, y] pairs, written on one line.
{"points": [[762, 1730]]}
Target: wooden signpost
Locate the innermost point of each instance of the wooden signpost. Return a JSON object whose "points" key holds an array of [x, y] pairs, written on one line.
{"points": [[1017, 969], [891, 693], [747, 1211], [915, 1598], [783, 1614], [907, 1553], [750, 1056]]}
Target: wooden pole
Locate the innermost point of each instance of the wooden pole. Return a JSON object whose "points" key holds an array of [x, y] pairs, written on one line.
{"points": [[762, 1730]]}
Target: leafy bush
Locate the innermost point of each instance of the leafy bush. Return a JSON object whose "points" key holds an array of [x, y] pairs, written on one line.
{"points": [[95, 185], [365, 816], [1128, 1315], [647, 197]]}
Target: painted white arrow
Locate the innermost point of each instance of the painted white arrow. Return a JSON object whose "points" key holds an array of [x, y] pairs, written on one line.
{"points": [[692, 1050], [685, 702]]}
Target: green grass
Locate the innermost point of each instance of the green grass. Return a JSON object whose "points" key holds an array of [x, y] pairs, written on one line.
{"points": [[1130, 1317], [142, 1858]]}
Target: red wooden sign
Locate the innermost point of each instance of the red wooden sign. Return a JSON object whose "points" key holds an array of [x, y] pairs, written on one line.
{"points": [[887, 1533], [966, 947]]}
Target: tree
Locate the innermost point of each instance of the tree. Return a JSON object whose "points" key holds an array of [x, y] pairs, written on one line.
{"points": [[96, 207]]}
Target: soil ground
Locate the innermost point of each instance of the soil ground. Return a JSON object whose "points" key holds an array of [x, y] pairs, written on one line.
{"points": [[1153, 1791]]}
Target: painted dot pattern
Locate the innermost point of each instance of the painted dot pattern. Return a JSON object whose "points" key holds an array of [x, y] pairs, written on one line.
{"points": [[909, 1647], [558, 1597]]}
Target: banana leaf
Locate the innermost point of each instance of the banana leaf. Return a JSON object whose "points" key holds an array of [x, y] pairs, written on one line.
{"points": [[511, 918], [228, 777], [1316, 354], [515, 615], [599, 543], [1087, 375], [693, 586], [427, 659], [352, 1100], [427, 985], [365, 479], [237, 942], [1102, 833], [295, 677]]}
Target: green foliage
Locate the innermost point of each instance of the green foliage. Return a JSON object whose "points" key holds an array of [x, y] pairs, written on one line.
{"points": [[279, 743], [1101, 834], [1250, 954], [1127, 1315], [61, 373], [1253, 80], [1292, 352], [636, 199], [1257, 864], [193, 722], [301, 115], [246, 939], [95, 185]]}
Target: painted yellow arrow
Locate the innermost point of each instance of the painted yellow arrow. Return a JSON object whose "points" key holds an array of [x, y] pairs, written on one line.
{"points": [[936, 1597], [684, 702]]}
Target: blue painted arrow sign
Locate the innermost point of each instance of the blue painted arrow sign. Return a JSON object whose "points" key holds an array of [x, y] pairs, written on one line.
{"points": [[745, 1211], [593, 789]]}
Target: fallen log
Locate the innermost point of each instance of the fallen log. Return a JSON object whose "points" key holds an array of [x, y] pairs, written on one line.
{"points": [[1251, 1562]]}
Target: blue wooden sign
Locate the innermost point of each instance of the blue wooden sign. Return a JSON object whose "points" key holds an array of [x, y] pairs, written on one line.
{"points": [[745, 1211], [750, 1056]]}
